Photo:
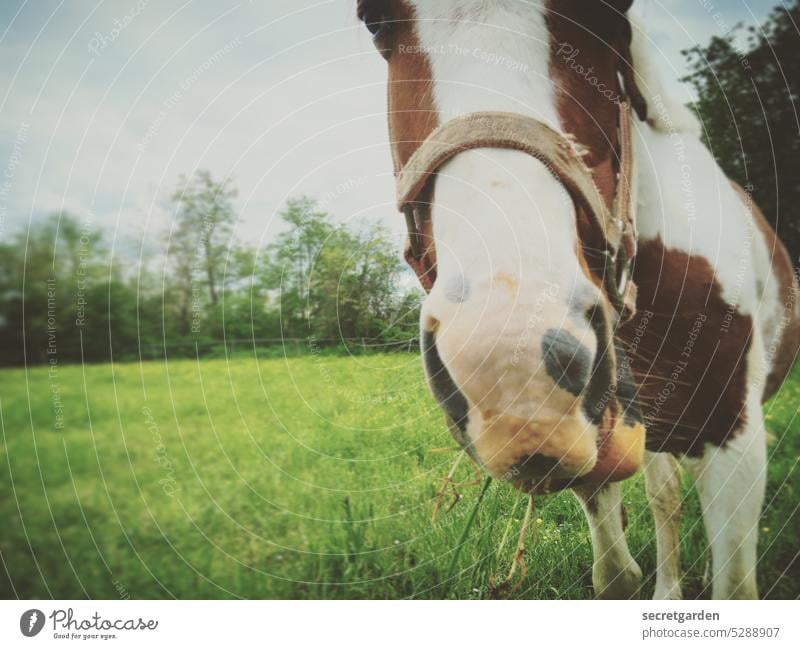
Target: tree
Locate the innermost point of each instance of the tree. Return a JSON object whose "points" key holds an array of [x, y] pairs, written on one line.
{"points": [[200, 239], [747, 102], [49, 297], [333, 282]]}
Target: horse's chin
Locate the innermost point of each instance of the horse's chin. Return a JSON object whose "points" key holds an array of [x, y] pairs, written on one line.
{"points": [[514, 447], [613, 456]]}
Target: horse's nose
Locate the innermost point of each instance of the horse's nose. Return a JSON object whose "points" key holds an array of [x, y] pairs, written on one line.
{"points": [[567, 360]]}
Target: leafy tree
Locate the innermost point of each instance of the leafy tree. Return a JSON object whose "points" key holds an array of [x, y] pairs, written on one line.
{"points": [[748, 105], [332, 282], [199, 241], [48, 279]]}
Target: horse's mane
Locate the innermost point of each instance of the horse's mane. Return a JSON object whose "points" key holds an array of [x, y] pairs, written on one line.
{"points": [[664, 112]]}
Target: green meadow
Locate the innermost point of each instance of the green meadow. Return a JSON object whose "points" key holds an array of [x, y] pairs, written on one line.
{"points": [[302, 477]]}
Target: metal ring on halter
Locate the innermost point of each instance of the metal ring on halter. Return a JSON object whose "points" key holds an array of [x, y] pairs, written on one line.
{"points": [[413, 230], [618, 283], [612, 278]]}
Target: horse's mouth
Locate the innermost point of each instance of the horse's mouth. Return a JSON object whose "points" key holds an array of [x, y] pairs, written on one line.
{"points": [[547, 485], [540, 474]]}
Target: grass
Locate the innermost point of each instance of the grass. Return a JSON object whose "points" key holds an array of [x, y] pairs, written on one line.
{"points": [[308, 477]]}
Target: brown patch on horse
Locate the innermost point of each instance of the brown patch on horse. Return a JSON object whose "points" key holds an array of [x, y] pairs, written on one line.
{"points": [[589, 45], [785, 354], [688, 351], [412, 111], [412, 117]]}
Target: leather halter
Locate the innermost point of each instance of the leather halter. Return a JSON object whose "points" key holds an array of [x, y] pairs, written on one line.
{"points": [[563, 159]]}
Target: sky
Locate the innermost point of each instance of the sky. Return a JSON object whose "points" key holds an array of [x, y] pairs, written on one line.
{"points": [[103, 105]]}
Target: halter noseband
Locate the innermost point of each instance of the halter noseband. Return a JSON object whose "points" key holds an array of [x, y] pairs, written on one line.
{"points": [[562, 158]]}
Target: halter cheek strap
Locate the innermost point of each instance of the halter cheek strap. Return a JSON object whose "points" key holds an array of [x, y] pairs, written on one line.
{"points": [[562, 158]]}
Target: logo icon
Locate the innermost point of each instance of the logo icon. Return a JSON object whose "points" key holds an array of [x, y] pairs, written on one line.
{"points": [[31, 622]]}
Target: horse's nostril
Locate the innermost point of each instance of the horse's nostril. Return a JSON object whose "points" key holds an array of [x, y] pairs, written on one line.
{"points": [[430, 324], [567, 361]]}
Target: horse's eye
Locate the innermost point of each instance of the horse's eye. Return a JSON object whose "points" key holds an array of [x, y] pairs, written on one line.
{"points": [[377, 25], [374, 14]]}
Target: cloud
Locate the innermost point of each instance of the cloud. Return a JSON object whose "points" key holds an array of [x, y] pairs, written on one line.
{"points": [[287, 97]]}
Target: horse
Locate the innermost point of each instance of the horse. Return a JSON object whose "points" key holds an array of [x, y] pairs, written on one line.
{"points": [[601, 299]]}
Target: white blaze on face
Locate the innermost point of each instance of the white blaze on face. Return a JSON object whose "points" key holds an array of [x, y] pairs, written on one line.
{"points": [[506, 241], [508, 275], [487, 56]]}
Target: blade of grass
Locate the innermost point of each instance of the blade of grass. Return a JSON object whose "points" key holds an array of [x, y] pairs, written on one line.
{"points": [[483, 567], [462, 539], [506, 532]]}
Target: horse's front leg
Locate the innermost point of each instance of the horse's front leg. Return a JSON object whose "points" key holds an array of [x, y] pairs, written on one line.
{"points": [[730, 482], [615, 574], [662, 481]]}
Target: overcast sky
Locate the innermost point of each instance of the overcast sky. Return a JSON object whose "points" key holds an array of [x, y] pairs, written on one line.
{"points": [[285, 96]]}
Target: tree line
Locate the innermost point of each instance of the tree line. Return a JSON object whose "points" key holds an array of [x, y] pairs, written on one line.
{"points": [[747, 100], [65, 297]]}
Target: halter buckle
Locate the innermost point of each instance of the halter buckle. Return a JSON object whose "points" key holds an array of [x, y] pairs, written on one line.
{"points": [[413, 231]]}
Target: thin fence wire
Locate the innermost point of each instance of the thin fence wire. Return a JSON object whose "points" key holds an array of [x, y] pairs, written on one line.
{"points": [[293, 345]]}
